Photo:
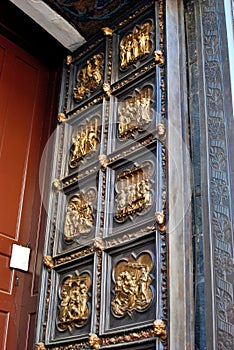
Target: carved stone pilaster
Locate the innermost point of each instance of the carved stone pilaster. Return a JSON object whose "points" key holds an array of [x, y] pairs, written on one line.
{"points": [[221, 229], [207, 60]]}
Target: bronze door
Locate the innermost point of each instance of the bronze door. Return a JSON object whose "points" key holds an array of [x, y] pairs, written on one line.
{"points": [[104, 283]]}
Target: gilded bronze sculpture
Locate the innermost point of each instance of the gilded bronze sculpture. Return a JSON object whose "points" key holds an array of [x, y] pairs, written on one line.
{"points": [[160, 329], [94, 341], [135, 113], [132, 289], [73, 307], [89, 77], [79, 219], [84, 141], [134, 195], [135, 45]]}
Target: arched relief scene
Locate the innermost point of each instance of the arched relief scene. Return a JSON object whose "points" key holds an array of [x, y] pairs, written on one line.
{"points": [[89, 77], [136, 111], [85, 142], [79, 218], [132, 285], [73, 302], [71, 316], [77, 224], [88, 70], [136, 45], [136, 42], [131, 295], [130, 200], [133, 192]]}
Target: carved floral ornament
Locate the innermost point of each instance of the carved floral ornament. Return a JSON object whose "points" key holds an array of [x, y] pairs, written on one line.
{"points": [[79, 218], [132, 289], [135, 45], [133, 192], [89, 77], [73, 305], [135, 113], [84, 141]]}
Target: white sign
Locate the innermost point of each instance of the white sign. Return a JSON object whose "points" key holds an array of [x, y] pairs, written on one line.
{"points": [[20, 257]]}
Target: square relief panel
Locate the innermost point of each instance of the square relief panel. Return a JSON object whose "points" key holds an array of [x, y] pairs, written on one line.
{"points": [[130, 289], [77, 220], [83, 135], [72, 299], [87, 75], [136, 42], [131, 194], [134, 114]]}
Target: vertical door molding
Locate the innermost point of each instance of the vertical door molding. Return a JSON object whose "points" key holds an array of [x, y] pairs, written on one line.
{"points": [[181, 325]]}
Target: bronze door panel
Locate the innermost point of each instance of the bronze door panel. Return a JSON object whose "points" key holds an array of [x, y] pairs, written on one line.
{"points": [[106, 256]]}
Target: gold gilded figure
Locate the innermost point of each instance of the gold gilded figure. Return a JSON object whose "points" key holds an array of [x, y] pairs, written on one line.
{"points": [[135, 45], [132, 285], [89, 77], [94, 341], [135, 113], [84, 142], [79, 219], [133, 198], [73, 308]]}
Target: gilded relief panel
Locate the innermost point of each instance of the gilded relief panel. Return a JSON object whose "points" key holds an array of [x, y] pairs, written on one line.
{"points": [[132, 285], [78, 221], [79, 217], [135, 113], [86, 71], [130, 202], [130, 291], [89, 77], [83, 141], [70, 307], [136, 45], [73, 302], [136, 42], [133, 192]]}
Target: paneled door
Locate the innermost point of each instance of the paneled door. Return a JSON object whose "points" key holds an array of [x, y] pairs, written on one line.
{"points": [[104, 283], [24, 128]]}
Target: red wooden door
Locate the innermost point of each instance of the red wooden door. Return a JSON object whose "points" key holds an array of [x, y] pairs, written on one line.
{"points": [[24, 127]]}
